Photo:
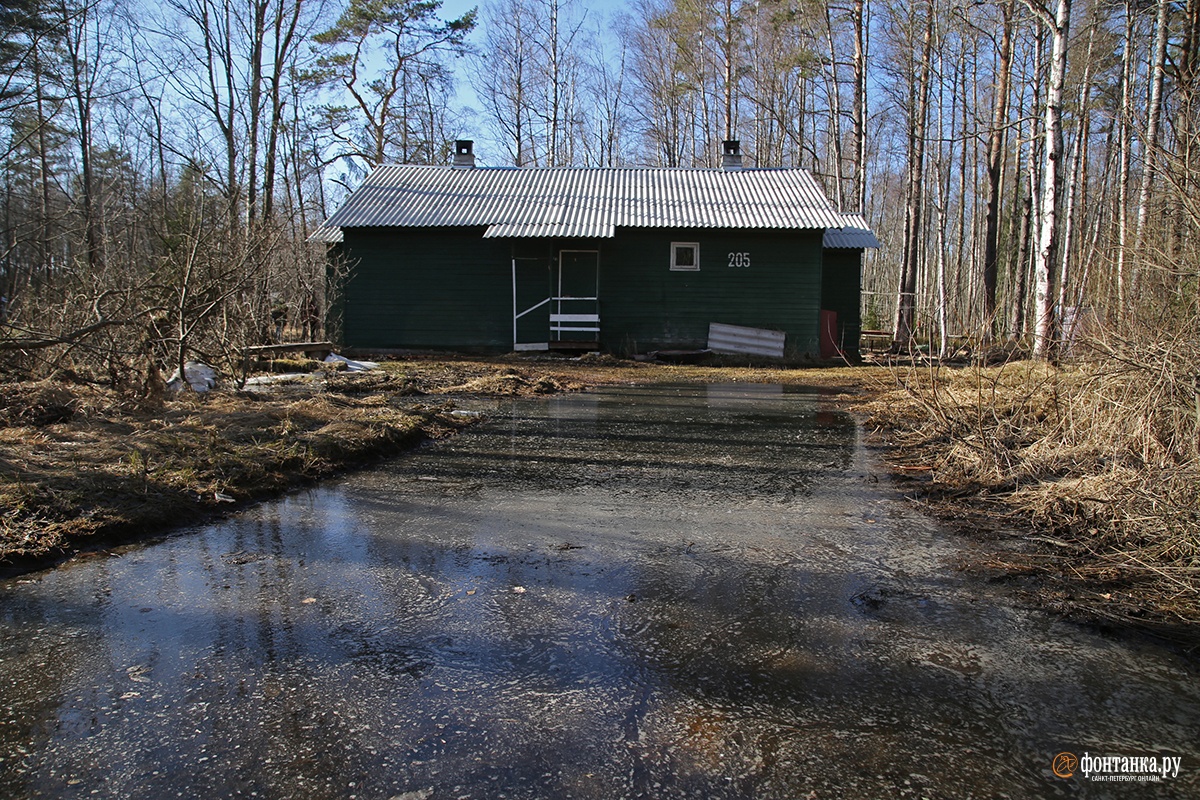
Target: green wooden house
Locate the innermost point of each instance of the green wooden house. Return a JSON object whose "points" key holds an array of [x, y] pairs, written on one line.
{"points": [[621, 259]]}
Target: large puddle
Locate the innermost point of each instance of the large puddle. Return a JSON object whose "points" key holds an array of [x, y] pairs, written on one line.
{"points": [[679, 591]]}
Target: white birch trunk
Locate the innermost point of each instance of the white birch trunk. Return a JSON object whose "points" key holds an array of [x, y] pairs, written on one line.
{"points": [[1043, 334]]}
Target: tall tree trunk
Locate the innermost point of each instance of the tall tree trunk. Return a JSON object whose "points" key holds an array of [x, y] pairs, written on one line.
{"points": [[942, 177], [941, 202], [1154, 115], [44, 175], [1125, 122], [835, 112], [858, 15], [729, 55], [82, 89], [1044, 256], [1028, 217], [995, 163], [1020, 281], [258, 34], [967, 165], [285, 24], [555, 87], [914, 196]]}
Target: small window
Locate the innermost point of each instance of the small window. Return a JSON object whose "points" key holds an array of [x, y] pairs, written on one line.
{"points": [[685, 256]]}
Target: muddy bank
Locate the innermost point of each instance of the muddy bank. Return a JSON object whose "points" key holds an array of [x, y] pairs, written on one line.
{"points": [[1076, 508], [84, 467]]}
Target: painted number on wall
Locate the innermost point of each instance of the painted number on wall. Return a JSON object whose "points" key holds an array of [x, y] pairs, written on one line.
{"points": [[739, 259]]}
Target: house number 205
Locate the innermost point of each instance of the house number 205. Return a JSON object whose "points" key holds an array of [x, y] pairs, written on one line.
{"points": [[739, 259]]}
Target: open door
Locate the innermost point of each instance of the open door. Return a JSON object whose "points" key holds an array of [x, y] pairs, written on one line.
{"points": [[575, 306]]}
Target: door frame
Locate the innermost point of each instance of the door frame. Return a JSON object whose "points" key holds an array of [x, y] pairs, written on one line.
{"points": [[562, 322]]}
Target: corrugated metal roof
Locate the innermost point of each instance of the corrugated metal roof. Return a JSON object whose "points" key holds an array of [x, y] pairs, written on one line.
{"points": [[583, 228], [853, 234], [326, 234], [585, 202]]}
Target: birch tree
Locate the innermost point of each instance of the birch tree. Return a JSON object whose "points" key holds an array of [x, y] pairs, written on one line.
{"points": [[1058, 22], [662, 47], [503, 77]]}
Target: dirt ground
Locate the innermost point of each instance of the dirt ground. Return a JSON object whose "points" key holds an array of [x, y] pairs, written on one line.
{"points": [[82, 468]]}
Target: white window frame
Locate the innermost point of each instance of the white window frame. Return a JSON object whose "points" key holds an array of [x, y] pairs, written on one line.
{"points": [[695, 266]]}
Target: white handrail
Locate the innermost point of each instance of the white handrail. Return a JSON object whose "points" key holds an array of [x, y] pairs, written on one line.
{"points": [[533, 308]]}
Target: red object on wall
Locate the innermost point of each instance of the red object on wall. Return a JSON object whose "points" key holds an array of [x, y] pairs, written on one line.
{"points": [[830, 347]]}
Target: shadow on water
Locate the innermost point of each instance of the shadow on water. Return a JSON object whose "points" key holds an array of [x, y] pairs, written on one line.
{"points": [[679, 591]]}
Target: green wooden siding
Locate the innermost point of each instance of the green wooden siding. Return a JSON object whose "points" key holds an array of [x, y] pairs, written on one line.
{"points": [[450, 288], [645, 305], [429, 287], [841, 289]]}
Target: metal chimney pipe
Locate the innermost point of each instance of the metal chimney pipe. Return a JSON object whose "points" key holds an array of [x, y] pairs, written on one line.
{"points": [[464, 153], [731, 154]]}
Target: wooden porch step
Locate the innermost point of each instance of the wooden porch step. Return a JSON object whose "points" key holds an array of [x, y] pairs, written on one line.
{"points": [[574, 346]]}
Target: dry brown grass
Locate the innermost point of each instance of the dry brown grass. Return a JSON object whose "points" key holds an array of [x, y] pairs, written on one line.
{"points": [[1099, 458]]}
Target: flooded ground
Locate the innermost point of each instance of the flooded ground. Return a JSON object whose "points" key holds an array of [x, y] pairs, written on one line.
{"points": [[671, 592]]}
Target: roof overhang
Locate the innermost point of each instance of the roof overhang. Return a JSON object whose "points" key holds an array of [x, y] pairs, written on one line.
{"points": [[549, 230], [853, 234]]}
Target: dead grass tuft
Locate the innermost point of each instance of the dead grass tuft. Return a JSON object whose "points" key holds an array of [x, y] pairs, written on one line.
{"points": [[37, 404], [509, 382], [1103, 454], [288, 365], [120, 472]]}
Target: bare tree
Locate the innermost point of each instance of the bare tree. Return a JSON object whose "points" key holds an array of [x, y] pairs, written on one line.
{"points": [[859, 116], [917, 80], [663, 45], [1125, 122], [503, 76], [1150, 145], [995, 162], [604, 127]]}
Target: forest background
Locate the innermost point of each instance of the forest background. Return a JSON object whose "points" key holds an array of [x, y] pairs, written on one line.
{"points": [[164, 165]]}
